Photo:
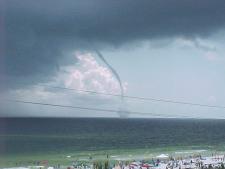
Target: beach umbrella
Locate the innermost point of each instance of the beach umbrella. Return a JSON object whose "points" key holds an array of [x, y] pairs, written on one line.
{"points": [[50, 168], [134, 164], [162, 156], [146, 165]]}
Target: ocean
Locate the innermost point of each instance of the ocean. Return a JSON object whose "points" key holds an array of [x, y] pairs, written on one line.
{"points": [[59, 135]]}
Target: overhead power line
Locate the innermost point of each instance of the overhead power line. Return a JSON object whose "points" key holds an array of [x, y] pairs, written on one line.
{"points": [[136, 97], [91, 108], [132, 97]]}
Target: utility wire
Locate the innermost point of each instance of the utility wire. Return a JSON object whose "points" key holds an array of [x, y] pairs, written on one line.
{"points": [[90, 108], [136, 97]]}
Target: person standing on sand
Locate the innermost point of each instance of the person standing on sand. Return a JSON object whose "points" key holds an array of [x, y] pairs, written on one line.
{"points": [[153, 162]]}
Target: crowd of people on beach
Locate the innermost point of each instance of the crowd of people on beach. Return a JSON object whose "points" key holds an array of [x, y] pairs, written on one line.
{"points": [[164, 162], [191, 162], [199, 162]]}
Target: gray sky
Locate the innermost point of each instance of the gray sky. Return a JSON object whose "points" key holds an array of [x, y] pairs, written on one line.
{"points": [[161, 49]]}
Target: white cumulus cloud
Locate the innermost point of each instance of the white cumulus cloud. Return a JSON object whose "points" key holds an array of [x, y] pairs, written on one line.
{"points": [[88, 74]]}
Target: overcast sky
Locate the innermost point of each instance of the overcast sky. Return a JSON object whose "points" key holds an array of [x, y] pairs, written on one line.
{"points": [[172, 50]]}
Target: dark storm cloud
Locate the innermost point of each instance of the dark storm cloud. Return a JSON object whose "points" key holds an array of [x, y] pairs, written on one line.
{"points": [[38, 35]]}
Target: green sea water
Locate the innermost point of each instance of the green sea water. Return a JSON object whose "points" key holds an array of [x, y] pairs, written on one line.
{"points": [[27, 140]]}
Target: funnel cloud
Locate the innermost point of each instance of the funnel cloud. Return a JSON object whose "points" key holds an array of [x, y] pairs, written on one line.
{"points": [[121, 112]]}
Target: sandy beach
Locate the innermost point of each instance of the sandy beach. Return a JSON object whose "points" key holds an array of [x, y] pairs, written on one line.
{"points": [[162, 161]]}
